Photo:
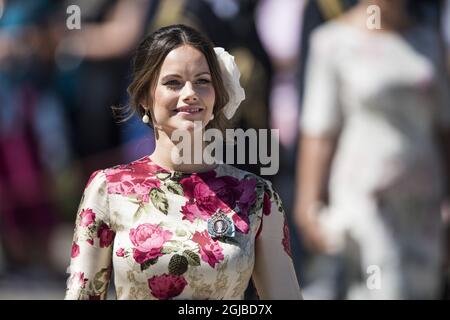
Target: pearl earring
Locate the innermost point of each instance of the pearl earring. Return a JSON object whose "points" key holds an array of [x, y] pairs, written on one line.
{"points": [[146, 118], [212, 117]]}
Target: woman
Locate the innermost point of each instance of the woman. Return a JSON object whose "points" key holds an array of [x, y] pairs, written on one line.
{"points": [[375, 111], [182, 230]]}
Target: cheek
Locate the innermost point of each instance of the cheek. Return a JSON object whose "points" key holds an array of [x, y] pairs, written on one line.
{"points": [[209, 96], [164, 100]]}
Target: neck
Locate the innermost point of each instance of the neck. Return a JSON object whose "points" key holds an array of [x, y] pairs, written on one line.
{"points": [[165, 153]]}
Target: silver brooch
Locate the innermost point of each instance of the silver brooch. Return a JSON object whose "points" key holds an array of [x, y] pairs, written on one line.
{"points": [[220, 225]]}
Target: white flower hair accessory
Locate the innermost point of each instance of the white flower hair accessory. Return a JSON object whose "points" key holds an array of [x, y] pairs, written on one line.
{"points": [[230, 76]]}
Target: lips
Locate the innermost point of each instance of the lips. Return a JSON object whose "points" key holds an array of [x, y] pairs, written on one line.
{"points": [[188, 109]]}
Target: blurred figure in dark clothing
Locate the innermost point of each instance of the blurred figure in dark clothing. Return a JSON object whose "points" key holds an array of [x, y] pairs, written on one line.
{"points": [[94, 62], [32, 135]]}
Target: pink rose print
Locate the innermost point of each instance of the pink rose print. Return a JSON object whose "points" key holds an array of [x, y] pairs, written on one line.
{"points": [[225, 189], [286, 239], [190, 182], [210, 250], [203, 201], [120, 252], [191, 211], [136, 178], [166, 286], [148, 240], [75, 250], [241, 222], [206, 198], [208, 193], [106, 235], [90, 241], [266, 204], [87, 217], [247, 192]]}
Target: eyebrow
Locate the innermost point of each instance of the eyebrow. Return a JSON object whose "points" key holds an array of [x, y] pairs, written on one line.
{"points": [[176, 75]]}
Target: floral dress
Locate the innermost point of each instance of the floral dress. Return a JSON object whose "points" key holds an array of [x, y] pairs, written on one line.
{"points": [[150, 227]]}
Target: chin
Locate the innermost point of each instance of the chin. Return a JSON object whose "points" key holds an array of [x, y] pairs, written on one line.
{"points": [[188, 125]]}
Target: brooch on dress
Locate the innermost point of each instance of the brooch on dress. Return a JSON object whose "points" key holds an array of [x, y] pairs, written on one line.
{"points": [[220, 225]]}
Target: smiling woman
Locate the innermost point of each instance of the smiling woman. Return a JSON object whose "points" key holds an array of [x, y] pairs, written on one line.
{"points": [[177, 58], [189, 230], [184, 90], [177, 83]]}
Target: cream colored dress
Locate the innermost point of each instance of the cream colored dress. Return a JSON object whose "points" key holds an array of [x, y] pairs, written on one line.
{"points": [[386, 95], [149, 226]]}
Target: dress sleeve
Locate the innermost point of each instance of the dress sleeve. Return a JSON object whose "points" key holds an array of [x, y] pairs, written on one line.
{"points": [[274, 274], [321, 111], [91, 257]]}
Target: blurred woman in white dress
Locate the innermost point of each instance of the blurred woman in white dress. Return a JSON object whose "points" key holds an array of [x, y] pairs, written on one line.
{"points": [[372, 162]]}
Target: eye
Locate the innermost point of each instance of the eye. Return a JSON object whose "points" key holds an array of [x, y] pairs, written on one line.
{"points": [[203, 81], [172, 83]]}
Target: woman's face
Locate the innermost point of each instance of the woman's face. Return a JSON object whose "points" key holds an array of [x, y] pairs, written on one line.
{"points": [[184, 92]]}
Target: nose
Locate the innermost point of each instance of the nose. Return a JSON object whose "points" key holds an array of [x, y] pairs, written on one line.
{"points": [[188, 93]]}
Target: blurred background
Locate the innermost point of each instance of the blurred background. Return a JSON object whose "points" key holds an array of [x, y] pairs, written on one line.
{"points": [[64, 64]]}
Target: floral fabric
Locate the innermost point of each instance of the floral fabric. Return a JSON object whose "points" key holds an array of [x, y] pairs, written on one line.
{"points": [[149, 226]]}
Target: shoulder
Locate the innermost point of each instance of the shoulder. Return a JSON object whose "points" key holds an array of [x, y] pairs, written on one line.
{"points": [[326, 29], [330, 35], [135, 165], [96, 180], [102, 176], [142, 168], [95, 196]]}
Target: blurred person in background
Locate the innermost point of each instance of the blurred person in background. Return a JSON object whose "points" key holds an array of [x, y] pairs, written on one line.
{"points": [[92, 77], [284, 28], [315, 13], [33, 137], [446, 29], [313, 267], [94, 66], [279, 26], [373, 157], [55, 82]]}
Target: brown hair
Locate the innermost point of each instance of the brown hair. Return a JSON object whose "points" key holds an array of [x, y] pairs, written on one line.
{"points": [[149, 57]]}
